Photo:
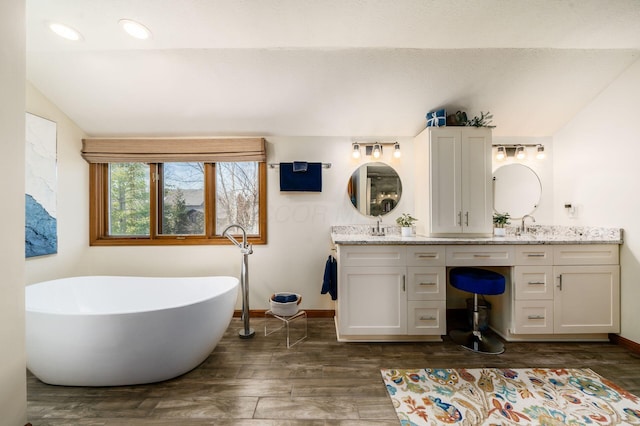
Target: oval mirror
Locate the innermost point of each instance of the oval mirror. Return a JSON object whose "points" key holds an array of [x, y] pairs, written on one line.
{"points": [[516, 190], [374, 189]]}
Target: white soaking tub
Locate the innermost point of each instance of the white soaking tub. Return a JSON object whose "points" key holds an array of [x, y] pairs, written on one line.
{"points": [[112, 330]]}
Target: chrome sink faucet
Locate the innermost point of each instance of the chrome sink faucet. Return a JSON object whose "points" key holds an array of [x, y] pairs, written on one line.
{"points": [[378, 230], [522, 229]]}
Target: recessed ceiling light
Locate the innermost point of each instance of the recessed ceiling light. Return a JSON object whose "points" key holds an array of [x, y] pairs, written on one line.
{"points": [[65, 31], [135, 29]]}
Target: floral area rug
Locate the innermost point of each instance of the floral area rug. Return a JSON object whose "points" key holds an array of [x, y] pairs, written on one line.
{"points": [[492, 396]]}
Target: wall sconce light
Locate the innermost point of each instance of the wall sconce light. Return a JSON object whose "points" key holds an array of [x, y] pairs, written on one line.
{"points": [[396, 150], [374, 149], [356, 151], [519, 151]]}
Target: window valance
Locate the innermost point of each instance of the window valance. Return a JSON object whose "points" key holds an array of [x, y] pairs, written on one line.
{"points": [[149, 150]]}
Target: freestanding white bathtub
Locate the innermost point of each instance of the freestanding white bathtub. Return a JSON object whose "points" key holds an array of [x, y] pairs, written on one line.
{"points": [[112, 331]]}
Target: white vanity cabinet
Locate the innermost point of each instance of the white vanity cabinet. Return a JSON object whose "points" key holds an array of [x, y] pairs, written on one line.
{"points": [[533, 286], [372, 300], [460, 195], [426, 291], [587, 289], [566, 290], [391, 292], [554, 292]]}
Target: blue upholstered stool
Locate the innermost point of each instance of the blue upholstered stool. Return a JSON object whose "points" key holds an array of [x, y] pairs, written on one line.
{"points": [[477, 281]]}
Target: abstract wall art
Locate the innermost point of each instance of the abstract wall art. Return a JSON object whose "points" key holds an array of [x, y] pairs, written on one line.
{"points": [[41, 235]]}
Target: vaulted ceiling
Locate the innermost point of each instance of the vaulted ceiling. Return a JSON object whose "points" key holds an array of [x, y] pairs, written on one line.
{"points": [[327, 67]]}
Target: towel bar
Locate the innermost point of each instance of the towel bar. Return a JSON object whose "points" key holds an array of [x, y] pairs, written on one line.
{"points": [[276, 165]]}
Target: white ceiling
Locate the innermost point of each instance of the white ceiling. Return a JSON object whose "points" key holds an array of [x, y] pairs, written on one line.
{"points": [[327, 67]]}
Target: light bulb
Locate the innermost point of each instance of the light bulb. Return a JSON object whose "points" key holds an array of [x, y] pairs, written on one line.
{"points": [[356, 151], [377, 151], [520, 154], [540, 152], [396, 150], [501, 154]]}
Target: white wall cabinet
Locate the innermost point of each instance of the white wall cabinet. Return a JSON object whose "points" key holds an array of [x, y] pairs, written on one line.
{"points": [[460, 197]]}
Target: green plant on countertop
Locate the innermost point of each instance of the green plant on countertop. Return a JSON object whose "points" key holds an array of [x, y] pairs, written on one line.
{"points": [[482, 121], [406, 220], [501, 219]]}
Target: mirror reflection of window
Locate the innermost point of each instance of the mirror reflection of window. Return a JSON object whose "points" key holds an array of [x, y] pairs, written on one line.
{"points": [[516, 190], [374, 189]]}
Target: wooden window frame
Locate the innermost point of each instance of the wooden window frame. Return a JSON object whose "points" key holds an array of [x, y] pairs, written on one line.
{"points": [[99, 212]]}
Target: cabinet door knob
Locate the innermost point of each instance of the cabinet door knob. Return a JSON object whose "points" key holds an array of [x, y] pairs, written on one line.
{"points": [[404, 283], [427, 283], [466, 218], [536, 283]]}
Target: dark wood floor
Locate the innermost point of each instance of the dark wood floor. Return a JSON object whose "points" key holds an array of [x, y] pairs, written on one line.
{"points": [[317, 382]]}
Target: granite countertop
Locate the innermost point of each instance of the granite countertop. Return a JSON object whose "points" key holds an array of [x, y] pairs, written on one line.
{"points": [[538, 234]]}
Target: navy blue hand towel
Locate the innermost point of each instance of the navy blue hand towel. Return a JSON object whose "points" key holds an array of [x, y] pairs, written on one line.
{"points": [[304, 181], [330, 280]]}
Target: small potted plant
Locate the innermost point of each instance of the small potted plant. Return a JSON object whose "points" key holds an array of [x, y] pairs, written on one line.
{"points": [[499, 221], [406, 222]]}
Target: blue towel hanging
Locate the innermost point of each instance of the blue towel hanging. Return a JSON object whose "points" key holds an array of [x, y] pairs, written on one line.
{"points": [[309, 180], [330, 279]]}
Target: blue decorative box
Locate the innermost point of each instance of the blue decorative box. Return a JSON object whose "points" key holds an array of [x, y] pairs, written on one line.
{"points": [[437, 118]]}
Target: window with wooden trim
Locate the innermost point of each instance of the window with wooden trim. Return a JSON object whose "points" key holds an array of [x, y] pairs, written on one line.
{"points": [[174, 202]]}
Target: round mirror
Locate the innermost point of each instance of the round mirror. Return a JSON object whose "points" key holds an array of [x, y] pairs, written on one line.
{"points": [[374, 189], [516, 190]]}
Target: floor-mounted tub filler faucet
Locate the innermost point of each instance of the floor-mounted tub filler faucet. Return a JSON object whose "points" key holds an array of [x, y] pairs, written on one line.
{"points": [[246, 250], [522, 228]]}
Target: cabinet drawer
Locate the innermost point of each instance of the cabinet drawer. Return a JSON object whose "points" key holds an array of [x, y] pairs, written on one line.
{"points": [[533, 282], [533, 317], [480, 255], [383, 255], [427, 318], [586, 254], [426, 256], [534, 255], [427, 283]]}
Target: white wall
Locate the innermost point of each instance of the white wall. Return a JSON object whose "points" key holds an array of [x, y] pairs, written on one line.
{"points": [[13, 399], [298, 223], [596, 157], [73, 196]]}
